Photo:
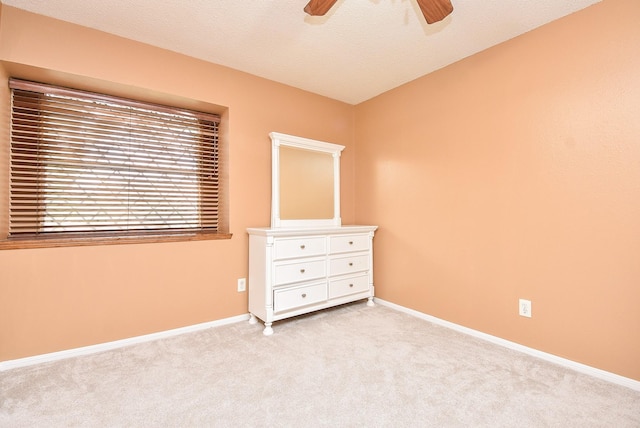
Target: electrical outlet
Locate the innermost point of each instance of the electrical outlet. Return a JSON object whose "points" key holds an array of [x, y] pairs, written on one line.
{"points": [[524, 308], [242, 285]]}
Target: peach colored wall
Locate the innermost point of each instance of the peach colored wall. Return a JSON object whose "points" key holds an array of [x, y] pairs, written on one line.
{"points": [[515, 173], [5, 121], [61, 298]]}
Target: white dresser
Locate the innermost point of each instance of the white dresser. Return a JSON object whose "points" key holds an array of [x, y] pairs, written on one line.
{"points": [[296, 271]]}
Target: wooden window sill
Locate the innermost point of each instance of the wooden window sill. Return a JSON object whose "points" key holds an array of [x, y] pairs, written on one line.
{"points": [[77, 241]]}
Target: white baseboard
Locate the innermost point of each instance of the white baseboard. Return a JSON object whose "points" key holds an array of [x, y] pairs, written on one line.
{"points": [[101, 347], [582, 368]]}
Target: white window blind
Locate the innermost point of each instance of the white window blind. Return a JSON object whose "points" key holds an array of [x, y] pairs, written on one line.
{"points": [[86, 163]]}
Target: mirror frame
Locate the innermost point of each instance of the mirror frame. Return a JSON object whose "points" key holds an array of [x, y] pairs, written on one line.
{"points": [[278, 140]]}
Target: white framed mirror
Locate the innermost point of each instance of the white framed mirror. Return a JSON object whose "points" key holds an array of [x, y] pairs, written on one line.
{"points": [[305, 182]]}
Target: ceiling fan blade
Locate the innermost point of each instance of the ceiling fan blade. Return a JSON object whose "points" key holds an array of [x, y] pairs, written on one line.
{"points": [[319, 7], [435, 10]]}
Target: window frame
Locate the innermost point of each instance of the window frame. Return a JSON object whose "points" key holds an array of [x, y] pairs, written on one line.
{"points": [[63, 239]]}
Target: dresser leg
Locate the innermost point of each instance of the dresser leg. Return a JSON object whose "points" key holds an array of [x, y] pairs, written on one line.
{"points": [[370, 302], [268, 331], [252, 319]]}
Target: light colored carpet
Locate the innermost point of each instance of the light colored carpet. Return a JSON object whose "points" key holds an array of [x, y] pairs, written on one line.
{"points": [[345, 367]]}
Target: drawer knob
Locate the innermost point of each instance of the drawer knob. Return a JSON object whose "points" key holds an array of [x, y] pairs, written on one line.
{"points": [[301, 270], [304, 295], [350, 264], [351, 285], [350, 242], [302, 247]]}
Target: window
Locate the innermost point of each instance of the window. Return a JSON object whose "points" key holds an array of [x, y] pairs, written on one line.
{"points": [[91, 165]]}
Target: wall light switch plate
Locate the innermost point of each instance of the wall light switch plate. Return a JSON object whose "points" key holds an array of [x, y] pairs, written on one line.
{"points": [[242, 285]]}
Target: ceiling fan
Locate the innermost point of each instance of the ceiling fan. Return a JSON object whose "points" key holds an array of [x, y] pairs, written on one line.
{"points": [[433, 10]]}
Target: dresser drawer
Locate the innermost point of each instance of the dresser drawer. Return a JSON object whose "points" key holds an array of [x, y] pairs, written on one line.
{"points": [[300, 271], [348, 243], [344, 287], [291, 298], [351, 264], [289, 248]]}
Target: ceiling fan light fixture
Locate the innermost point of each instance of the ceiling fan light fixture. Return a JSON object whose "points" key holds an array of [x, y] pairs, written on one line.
{"points": [[433, 10]]}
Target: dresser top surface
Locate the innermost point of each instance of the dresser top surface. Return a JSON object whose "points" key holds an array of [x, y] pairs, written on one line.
{"points": [[332, 230]]}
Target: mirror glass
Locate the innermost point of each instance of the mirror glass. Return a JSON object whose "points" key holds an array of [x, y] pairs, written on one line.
{"points": [[305, 182]]}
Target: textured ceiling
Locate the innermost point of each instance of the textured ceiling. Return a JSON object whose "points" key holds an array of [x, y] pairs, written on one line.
{"points": [[360, 49]]}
